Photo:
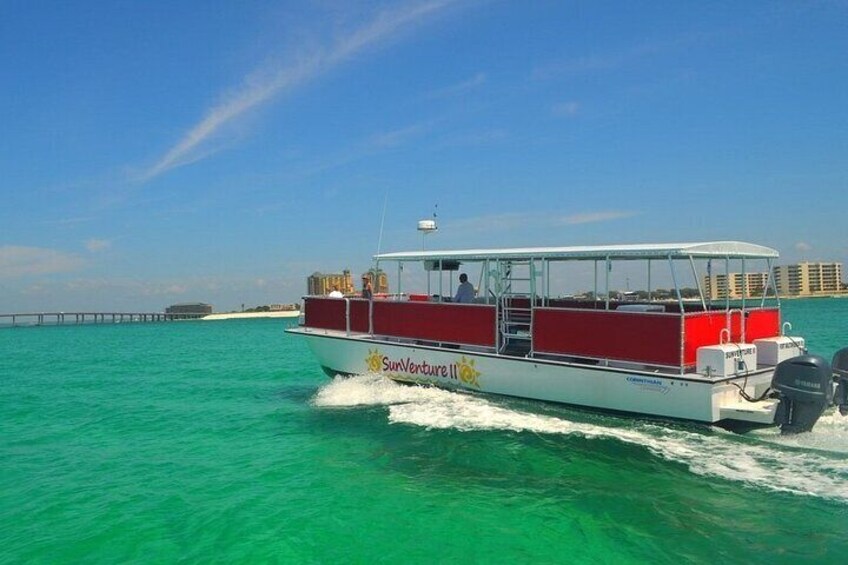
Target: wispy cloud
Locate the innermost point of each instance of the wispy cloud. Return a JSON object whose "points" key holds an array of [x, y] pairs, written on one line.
{"points": [[520, 220], [263, 85], [493, 222], [590, 63], [803, 247], [458, 88], [94, 245], [475, 138], [594, 217], [373, 144], [121, 286], [566, 109], [617, 59], [387, 139], [68, 221], [20, 261]]}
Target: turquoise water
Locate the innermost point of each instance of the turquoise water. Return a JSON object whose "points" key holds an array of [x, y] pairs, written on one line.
{"points": [[224, 441]]}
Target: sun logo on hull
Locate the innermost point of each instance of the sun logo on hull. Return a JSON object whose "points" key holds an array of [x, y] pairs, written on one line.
{"points": [[467, 373], [374, 361]]}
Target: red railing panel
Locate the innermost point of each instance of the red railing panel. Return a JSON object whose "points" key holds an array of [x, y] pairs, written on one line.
{"points": [[325, 313], [648, 338], [704, 328], [762, 323], [329, 314], [359, 315], [469, 324], [653, 339]]}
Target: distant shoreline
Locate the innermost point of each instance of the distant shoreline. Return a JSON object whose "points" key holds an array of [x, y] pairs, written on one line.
{"points": [[842, 294], [243, 315]]}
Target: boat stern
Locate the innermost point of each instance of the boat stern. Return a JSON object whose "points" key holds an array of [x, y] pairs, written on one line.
{"points": [[751, 413]]}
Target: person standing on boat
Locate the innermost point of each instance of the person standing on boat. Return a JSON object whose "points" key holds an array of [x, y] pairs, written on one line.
{"points": [[465, 290], [336, 293], [366, 289]]}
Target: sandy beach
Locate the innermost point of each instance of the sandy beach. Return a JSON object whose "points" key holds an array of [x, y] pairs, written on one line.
{"points": [[241, 315]]}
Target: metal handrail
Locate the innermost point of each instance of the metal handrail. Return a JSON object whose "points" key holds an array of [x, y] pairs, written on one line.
{"points": [[729, 318]]}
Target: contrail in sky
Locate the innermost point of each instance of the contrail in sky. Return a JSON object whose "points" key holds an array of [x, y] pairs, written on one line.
{"points": [[257, 92]]}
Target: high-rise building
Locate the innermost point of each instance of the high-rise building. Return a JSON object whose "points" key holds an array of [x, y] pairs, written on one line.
{"points": [[379, 280], [808, 279], [321, 284], [734, 285]]}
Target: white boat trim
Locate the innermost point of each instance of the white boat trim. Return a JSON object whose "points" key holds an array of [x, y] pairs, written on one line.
{"points": [[650, 394], [622, 368]]}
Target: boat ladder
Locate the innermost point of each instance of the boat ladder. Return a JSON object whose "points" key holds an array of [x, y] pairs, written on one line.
{"points": [[517, 285]]}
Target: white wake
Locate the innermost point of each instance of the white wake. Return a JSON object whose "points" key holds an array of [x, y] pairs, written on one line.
{"points": [[809, 464]]}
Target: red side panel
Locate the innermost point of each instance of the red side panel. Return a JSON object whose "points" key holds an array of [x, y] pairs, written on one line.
{"points": [[325, 313], [762, 323], [642, 338], [359, 315], [704, 328], [453, 323], [329, 314]]}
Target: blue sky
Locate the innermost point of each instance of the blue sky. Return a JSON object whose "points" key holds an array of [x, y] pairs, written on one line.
{"points": [[157, 152]]}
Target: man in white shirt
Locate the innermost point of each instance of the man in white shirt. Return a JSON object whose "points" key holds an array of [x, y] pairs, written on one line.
{"points": [[335, 293], [465, 290]]}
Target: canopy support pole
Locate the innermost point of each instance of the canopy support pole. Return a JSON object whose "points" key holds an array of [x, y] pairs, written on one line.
{"points": [[676, 286], [595, 291], [727, 282], [441, 279], [698, 283], [649, 280]]}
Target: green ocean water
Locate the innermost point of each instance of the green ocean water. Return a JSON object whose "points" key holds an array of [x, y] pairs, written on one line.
{"points": [[223, 441]]}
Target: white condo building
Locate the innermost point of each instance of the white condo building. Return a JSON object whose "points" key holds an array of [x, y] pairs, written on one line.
{"points": [[735, 285], [808, 279]]}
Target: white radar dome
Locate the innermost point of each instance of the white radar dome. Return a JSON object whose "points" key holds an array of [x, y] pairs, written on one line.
{"points": [[427, 225]]}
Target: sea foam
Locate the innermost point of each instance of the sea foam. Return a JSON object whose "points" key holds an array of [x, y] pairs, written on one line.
{"points": [[806, 464]]}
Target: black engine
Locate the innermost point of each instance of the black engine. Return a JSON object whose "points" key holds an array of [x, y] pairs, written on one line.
{"points": [[840, 374], [804, 385]]}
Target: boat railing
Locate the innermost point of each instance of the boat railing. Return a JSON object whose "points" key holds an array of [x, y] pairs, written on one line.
{"points": [[460, 324], [338, 314], [664, 339], [729, 322], [652, 338], [649, 338], [464, 324]]}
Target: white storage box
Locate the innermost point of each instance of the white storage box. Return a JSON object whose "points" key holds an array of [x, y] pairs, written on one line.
{"points": [[773, 350], [727, 359]]}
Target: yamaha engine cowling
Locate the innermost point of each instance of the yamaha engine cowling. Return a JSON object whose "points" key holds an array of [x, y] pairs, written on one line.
{"points": [[840, 374], [805, 387]]}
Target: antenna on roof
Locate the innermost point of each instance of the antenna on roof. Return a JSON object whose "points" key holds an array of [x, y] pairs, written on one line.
{"points": [[382, 221], [427, 227]]}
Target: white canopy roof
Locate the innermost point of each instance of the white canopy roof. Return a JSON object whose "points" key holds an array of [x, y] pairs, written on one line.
{"points": [[703, 250]]}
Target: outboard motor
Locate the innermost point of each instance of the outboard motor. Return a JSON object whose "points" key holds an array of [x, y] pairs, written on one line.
{"points": [[840, 375], [805, 387]]}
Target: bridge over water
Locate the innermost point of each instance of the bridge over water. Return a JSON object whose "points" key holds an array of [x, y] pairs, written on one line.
{"points": [[60, 318]]}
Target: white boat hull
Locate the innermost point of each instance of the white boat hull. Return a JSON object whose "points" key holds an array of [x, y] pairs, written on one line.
{"points": [[688, 397]]}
